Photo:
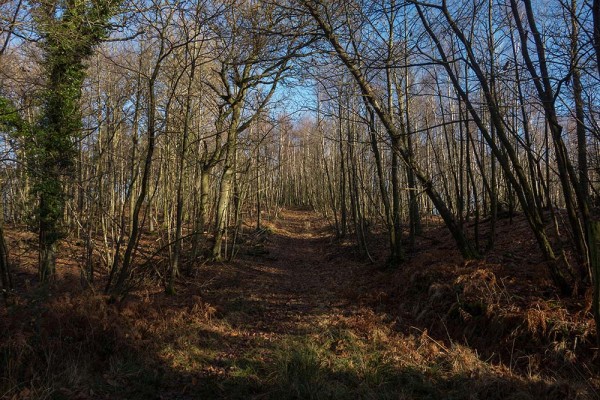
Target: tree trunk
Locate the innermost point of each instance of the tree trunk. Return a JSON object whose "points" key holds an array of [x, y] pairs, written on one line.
{"points": [[5, 275], [202, 210], [222, 210]]}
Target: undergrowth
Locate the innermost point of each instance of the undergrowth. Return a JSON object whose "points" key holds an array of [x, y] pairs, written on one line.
{"points": [[84, 348], [339, 364], [434, 330]]}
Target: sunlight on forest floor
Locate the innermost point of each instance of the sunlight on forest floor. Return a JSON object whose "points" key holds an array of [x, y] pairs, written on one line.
{"points": [[304, 320]]}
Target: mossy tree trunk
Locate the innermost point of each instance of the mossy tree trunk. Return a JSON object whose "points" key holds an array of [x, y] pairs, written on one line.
{"points": [[69, 32]]}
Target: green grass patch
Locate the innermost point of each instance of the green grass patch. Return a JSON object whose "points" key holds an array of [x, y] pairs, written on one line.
{"points": [[336, 364]]}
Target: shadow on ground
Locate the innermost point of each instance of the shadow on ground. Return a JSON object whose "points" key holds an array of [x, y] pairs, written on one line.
{"points": [[282, 325]]}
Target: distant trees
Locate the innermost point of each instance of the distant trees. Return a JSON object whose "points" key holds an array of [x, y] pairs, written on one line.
{"points": [[250, 68]]}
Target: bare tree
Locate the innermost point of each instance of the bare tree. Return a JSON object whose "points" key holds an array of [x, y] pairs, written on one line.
{"points": [[324, 20]]}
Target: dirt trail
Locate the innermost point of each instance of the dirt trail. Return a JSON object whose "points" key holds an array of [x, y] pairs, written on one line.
{"points": [[293, 286], [299, 319]]}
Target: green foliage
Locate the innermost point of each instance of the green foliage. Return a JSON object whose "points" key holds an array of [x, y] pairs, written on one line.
{"points": [[10, 120], [338, 365], [69, 31], [300, 371]]}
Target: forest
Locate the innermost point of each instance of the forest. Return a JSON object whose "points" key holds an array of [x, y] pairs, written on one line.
{"points": [[299, 199]]}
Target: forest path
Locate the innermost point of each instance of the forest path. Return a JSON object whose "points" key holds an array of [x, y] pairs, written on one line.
{"points": [[294, 285], [287, 327], [294, 317]]}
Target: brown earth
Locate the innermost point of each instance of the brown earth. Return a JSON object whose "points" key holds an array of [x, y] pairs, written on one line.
{"points": [[298, 315]]}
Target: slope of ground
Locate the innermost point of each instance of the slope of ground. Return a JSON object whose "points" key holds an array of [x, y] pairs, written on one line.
{"points": [[296, 316]]}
